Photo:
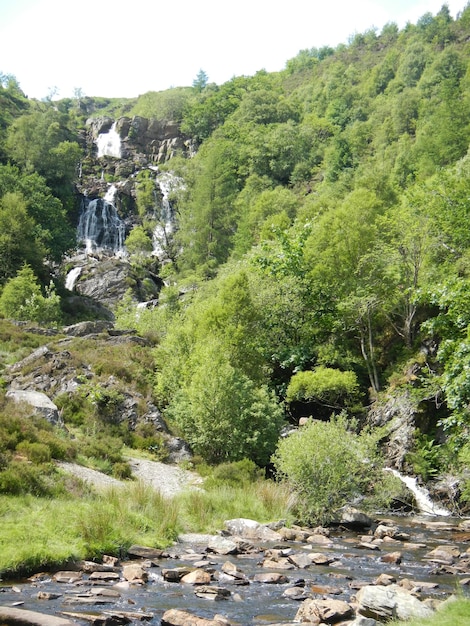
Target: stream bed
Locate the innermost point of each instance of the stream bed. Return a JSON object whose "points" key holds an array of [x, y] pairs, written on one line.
{"points": [[354, 558]]}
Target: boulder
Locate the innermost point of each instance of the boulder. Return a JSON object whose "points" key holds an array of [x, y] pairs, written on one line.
{"points": [[197, 577], [329, 611], [38, 401], [390, 602], [252, 530]]}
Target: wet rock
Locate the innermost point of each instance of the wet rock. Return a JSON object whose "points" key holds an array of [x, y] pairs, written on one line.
{"points": [[67, 577], [295, 593], [320, 540], [281, 563], [301, 559], [353, 518], [385, 603], [175, 617], [90, 566], [197, 577], [271, 578], [445, 555], [176, 574], [252, 530], [145, 552], [329, 611], [318, 558], [9, 615], [392, 557], [212, 593], [385, 580], [222, 545], [48, 595], [134, 573], [325, 590], [106, 576]]}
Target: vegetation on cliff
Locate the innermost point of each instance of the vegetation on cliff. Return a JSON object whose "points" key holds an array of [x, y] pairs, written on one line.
{"points": [[320, 261]]}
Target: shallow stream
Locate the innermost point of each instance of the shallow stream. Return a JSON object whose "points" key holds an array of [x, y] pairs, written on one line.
{"points": [[354, 564]]}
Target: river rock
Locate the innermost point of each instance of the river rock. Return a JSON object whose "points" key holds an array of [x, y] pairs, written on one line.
{"points": [[23, 617], [444, 555], [392, 557], [212, 593], [222, 545], [134, 573], [67, 577], [252, 530], [197, 577], [301, 559], [391, 602], [353, 518], [329, 611], [176, 574], [271, 578], [175, 617], [145, 552]]}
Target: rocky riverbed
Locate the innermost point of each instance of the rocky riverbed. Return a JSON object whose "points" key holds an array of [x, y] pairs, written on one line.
{"points": [[360, 572]]}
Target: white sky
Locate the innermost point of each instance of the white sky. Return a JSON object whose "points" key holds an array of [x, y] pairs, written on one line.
{"points": [[114, 48]]}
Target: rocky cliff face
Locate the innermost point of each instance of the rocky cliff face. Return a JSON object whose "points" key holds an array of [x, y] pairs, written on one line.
{"points": [[116, 151]]}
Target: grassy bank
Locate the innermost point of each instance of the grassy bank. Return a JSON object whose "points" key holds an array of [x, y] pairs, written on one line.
{"points": [[37, 533], [451, 613]]}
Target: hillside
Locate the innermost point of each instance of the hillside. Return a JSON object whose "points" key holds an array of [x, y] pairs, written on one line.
{"points": [[315, 262]]}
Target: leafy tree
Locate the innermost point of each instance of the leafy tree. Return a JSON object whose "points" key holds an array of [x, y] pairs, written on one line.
{"points": [[138, 241], [17, 237], [223, 414], [22, 299], [326, 465], [53, 233]]}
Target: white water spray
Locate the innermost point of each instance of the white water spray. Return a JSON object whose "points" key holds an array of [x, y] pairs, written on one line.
{"points": [[109, 144], [71, 278], [424, 502]]}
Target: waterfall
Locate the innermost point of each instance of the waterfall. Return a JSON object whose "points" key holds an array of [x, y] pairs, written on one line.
{"points": [[424, 502], [166, 223], [71, 278], [109, 144], [100, 227]]}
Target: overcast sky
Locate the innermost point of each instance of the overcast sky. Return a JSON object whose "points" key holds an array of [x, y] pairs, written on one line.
{"points": [[123, 49]]}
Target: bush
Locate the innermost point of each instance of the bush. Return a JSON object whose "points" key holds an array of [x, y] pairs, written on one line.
{"points": [[324, 385], [326, 466]]}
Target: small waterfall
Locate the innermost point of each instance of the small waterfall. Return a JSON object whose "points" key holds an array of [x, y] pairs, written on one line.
{"points": [[166, 223], [424, 502], [100, 227], [109, 144], [71, 278]]}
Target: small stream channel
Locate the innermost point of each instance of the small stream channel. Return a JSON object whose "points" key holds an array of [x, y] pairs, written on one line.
{"points": [[354, 562]]}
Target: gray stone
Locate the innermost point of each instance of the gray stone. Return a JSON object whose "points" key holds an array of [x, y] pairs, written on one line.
{"points": [[38, 401], [23, 617], [391, 602]]}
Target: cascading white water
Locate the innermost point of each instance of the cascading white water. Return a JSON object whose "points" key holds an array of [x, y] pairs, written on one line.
{"points": [[109, 144], [424, 502], [100, 227], [167, 182], [71, 278]]}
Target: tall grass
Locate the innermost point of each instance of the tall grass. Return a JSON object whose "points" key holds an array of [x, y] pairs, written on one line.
{"points": [[206, 511], [40, 532]]}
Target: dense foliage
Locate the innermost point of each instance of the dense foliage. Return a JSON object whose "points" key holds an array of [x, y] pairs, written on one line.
{"points": [[320, 259]]}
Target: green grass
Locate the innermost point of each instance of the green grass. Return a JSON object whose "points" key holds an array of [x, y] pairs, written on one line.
{"points": [[454, 612], [36, 533]]}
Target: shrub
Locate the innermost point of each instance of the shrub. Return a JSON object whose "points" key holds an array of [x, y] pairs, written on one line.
{"points": [[35, 452], [324, 385], [326, 465]]}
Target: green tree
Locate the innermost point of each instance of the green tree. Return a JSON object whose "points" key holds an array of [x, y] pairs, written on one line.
{"points": [[326, 465], [223, 414], [22, 299], [17, 236]]}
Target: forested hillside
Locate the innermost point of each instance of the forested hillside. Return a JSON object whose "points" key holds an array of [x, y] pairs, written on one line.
{"points": [[322, 247]]}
